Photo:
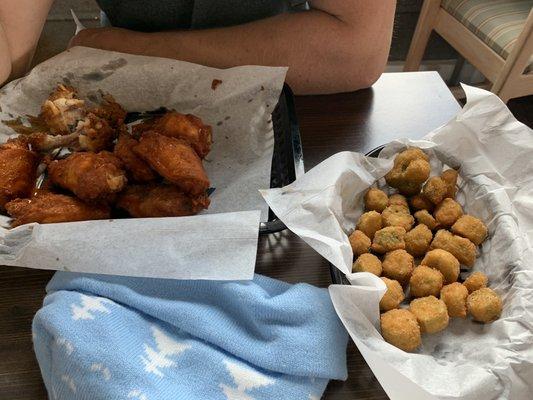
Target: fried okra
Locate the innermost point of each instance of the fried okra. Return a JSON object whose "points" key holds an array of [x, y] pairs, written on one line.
{"points": [[484, 305], [443, 261], [360, 243], [448, 212], [417, 240], [393, 296], [369, 223], [424, 217], [411, 169], [450, 178], [471, 228], [389, 239], [367, 263], [425, 281], [398, 265], [477, 280], [462, 249], [398, 200], [454, 296], [421, 202], [431, 314], [400, 328], [375, 200], [435, 189], [396, 215]]}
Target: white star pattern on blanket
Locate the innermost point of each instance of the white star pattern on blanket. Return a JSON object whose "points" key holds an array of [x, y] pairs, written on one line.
{"points": [[70, 382], [103, 369], [137, 394], [245, 379], [158, 358], [69, 347], [89, 305]]}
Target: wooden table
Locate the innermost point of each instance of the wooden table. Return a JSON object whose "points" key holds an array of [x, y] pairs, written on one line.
{"points": [[399, 105]]}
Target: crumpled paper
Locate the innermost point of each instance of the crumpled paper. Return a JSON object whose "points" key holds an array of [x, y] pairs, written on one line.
{"points": [[468, 360], [239, 109]]}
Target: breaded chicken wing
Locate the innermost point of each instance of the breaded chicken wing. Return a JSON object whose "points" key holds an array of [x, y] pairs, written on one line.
{"points": [[111, 111], [62, 111], [93, 177], [138, 170], [187, 127], [18, 166], [91, 134], [44, 142], [46, 207], [142, 201], [175, 161], [95, 133]]}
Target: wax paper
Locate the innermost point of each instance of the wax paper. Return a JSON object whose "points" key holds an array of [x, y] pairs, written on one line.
{"points": [[468, 360], [239, 110]]}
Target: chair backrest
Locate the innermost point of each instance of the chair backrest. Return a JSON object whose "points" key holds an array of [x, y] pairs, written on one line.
{"points": [[520, 57]]}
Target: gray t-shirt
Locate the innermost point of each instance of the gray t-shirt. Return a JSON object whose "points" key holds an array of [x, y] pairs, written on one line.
{"points": [[159, 15]]}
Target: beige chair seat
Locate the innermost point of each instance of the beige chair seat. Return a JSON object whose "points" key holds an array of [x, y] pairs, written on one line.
{"points": [[495, 36], [498, 23]]}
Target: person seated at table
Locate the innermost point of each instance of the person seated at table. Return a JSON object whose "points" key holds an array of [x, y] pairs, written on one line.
{"points": [[330, 45]]}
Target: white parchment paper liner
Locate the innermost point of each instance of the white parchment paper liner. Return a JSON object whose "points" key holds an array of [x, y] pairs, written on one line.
{"points": [[468, 360], [214, 246]]}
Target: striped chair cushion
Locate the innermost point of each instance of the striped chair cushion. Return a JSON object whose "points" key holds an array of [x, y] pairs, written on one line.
{"points": [[497, 22]]}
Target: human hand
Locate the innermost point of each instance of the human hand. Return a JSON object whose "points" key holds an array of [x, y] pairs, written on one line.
{"points": [[89, 37], [115, 39]]}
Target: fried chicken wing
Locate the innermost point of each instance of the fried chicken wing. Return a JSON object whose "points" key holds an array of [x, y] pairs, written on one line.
{"points": [[138, 170], [91, 134], [143, 201], [186, 127], [62, 111], [44, 142], [18, 166], [46, 207], [93, 177], [110, 111], [95, 133], [174, 160]]}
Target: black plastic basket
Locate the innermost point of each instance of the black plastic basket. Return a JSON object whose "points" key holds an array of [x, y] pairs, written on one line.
{"points": [[287, 159], [336, 275]]}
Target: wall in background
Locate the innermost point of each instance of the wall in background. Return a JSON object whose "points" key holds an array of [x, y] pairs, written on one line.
{"points": [[60, 27]]}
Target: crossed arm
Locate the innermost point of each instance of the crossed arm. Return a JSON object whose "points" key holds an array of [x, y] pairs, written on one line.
{"points": [[336, 46]]}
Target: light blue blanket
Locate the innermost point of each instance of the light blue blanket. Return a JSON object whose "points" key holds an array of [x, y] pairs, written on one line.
{"points": [[105, 337]]}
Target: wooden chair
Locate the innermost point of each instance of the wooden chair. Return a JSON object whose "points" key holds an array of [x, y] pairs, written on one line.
{"points": [[496, 36]]}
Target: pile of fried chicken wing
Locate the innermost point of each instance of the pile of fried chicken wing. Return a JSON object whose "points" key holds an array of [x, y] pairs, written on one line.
{"points": [[154, 169]]}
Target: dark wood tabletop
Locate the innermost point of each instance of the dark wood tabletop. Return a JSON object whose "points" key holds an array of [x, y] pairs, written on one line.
{"points": [[398, 105]]}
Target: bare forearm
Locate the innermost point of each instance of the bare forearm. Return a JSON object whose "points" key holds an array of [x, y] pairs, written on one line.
{"points": [[21, 22], [5, 57], [307, 42], [325, 52]]}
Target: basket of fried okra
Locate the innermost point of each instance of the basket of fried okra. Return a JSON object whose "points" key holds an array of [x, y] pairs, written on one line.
{"points": [[416, 240]]}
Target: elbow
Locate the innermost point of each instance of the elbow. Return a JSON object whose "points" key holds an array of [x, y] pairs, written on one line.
{"points": [[5, 70], [363, 71], [368, 78], [362, 65]]}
